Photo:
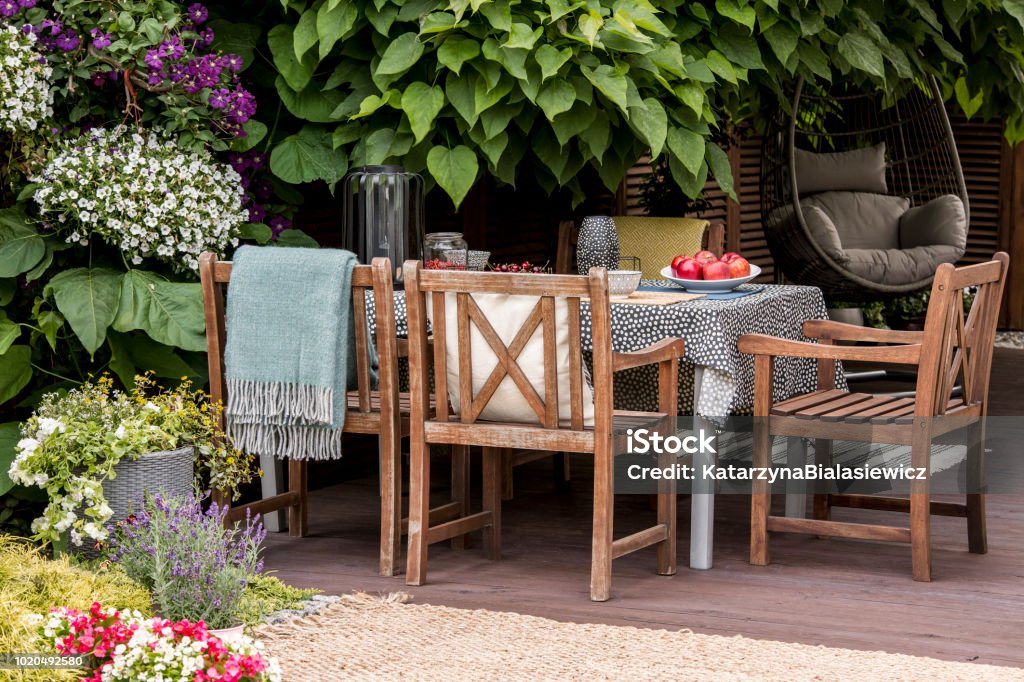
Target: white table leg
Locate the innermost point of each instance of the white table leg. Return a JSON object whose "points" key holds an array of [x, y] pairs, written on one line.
{"points": [[702, 499], [271, 484], [796, 491]]}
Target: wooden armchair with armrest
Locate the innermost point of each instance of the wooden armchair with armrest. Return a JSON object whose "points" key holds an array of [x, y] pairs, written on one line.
{"points": [[950, 348]]}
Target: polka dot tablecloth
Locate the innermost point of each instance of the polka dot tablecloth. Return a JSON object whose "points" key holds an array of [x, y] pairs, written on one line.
{"points": [[711, 329]]}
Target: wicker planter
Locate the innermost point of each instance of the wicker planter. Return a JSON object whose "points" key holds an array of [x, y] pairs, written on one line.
{"points": [[170, 472]]}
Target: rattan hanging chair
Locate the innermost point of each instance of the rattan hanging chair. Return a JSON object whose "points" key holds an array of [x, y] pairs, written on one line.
{"points": [[920, 164]]}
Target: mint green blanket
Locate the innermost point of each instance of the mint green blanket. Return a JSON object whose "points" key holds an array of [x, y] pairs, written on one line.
{"points": [[288, 353]]}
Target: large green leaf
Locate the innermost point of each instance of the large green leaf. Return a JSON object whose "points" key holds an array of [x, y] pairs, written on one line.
{"points": [[688, 147], [523, 36], [305, 35], [307, 156], [170, 312], [401, 54], [454, 170], [10, 434], [9, 332], [783, 40], [551, 59], [333, 22], [461, 93], [88, 299], [135, 353], [456, 51], [15, 371], [422, 103], [296, 72], [862, 53], [556, 97], [610, 82], [969, 104], [739, 11], [21, 248], [296, 238], [651, 122], [236, 38], [312, 104], [721, 168]]}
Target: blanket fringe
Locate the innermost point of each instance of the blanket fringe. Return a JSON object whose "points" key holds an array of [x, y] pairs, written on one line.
{"points": [[279, 401], [287, 441]]}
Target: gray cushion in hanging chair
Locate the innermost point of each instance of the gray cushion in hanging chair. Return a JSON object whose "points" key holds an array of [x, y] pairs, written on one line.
{"points": [[857, 170], [940, 221], [863, 220], [900, 266]]}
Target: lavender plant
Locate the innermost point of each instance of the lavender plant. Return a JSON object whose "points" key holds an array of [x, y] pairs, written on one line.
{"points": [[195, 568]]}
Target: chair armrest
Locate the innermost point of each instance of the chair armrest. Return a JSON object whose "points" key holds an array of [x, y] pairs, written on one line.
{"points": [[840, 331], [761, 344], [663, 350]]}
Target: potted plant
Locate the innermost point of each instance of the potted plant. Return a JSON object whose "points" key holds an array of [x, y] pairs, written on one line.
{"points": [[94, 449], [196, 568], [124, 645]]}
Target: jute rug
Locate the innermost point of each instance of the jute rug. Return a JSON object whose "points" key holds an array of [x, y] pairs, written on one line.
{"points": [[372, 637]]}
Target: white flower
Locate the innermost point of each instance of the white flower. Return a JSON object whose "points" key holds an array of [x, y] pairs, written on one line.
{"points": [[48, 426], [150, 405], [120, 432], [26, 97], [27, 445]]}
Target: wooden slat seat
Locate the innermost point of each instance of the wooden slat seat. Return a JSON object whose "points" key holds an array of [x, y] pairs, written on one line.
{"points": [[955, 349]]}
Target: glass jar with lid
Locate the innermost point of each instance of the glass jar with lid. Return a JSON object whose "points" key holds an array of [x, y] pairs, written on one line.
{"points": [[445, 251]]}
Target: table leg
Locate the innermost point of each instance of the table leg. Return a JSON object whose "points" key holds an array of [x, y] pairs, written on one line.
{"points": [[271, 483], [796, 491], [702, 499]]}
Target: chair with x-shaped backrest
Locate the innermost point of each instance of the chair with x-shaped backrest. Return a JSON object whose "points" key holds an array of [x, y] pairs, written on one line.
{"points": [[507, 351]]}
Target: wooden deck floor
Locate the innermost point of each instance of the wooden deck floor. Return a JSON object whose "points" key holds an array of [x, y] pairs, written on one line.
{"points": [[850, 594]]}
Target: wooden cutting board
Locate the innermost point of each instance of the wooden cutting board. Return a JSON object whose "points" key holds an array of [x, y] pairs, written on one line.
{"points": [[657, 298]]}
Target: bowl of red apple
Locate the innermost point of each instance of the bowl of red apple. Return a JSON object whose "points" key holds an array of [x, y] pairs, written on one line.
{"points": [[706, 273]]}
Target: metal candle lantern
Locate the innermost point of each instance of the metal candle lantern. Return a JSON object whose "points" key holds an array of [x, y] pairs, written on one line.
{"points": [[383, 214]]}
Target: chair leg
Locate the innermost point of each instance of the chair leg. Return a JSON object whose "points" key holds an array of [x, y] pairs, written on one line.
{"points": [[761, 495], [667, 516], [823, 456], [298, 482], [506, 474], [460, 487], [493, 471], [977, 540], [920, 504], [601, 547], [419, 512], [390, 505]]}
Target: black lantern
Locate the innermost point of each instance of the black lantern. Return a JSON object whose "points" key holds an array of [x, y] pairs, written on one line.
{"points": [[383, 214]]}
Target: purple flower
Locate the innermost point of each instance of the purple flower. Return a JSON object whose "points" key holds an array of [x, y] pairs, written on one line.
{"points": [[279, 224], [29, 28], [153, 60], [55, 26], [206, 36], [197, 14], [27, 4], [232, 62], [257, 213], [100, 40], [219, 98], [172, 48], [8, 8], [68, 41]]}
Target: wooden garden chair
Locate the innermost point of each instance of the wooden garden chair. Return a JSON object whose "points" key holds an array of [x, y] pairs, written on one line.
{"points": [[949, 350], [383, 412], [556, 403]]}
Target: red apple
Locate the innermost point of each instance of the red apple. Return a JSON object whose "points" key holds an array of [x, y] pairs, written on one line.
{"points": [[689, 269], [705, 257], [679, 259], [716, 270], [739, 267], [729, 257]]}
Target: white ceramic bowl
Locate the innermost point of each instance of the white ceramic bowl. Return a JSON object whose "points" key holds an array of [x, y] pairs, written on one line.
{"points": [[709, 286], [622, 283]]}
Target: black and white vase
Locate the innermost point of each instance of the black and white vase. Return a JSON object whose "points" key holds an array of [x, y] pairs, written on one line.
{"points": [[598, 244]]}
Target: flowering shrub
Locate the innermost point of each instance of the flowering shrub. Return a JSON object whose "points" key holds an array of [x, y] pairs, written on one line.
{"points": [[73, 442], [126, 646], [196, 569], [154, 51], [25, 97], [142, 194]]}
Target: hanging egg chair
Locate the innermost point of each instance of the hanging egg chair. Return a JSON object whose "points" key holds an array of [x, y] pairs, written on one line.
{"points": [[862, 193]]}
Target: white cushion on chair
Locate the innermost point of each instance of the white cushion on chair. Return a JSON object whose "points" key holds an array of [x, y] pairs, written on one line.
{"points": [[507, 313]]}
